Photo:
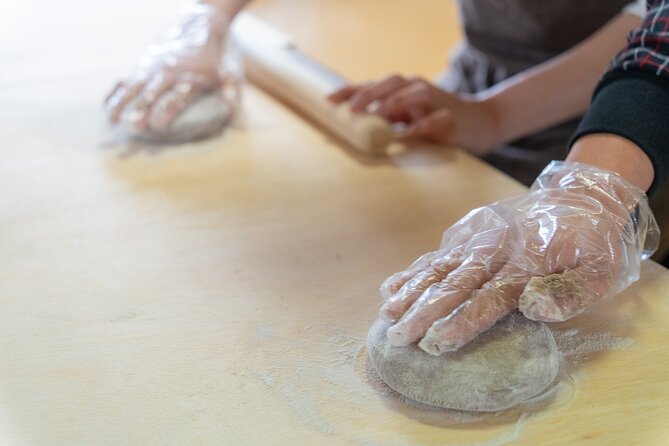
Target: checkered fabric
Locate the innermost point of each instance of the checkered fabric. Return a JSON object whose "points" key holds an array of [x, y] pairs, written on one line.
{"points": [[648, 45]]}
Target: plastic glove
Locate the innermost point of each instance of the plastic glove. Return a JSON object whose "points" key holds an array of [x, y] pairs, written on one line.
{"points": [[578, 236], [428, 111], [186, 65]]}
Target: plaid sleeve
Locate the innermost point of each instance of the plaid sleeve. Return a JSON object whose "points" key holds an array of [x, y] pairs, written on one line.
{"points": [[648, 45], [632, 99]]}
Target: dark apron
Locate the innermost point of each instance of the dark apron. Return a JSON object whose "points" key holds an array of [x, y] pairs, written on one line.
{"points": [[505, 37]]}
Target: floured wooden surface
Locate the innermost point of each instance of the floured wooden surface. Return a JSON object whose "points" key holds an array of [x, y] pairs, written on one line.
{"points": [[512, 362], [221, 292]]}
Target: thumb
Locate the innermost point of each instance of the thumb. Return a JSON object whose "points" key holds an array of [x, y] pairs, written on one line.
{"points": [[558, 297], [343, 93]]}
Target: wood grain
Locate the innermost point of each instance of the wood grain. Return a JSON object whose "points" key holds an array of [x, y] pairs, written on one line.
{"points": [[220, 292]]}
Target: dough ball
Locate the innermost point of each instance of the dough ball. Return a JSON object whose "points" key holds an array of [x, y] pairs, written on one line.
{"points": [[511, 362], [206, 116]]}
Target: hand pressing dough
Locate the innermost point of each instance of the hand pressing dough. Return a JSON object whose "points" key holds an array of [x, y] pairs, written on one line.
{"points": [[511, 362]]}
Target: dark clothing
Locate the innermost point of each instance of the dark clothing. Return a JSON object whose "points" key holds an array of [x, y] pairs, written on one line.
{"points": [[505, 37], [525, 158], [632, 99]]}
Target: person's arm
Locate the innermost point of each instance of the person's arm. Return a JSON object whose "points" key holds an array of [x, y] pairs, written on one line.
{"points": [[558, 89], [620, 155], [535, 99], [228, 8], [578, 236], [629, 115], [177, 69]]}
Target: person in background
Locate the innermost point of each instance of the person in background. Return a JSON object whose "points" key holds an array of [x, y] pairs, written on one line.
{"points": [[580, 233], [512, 94]]}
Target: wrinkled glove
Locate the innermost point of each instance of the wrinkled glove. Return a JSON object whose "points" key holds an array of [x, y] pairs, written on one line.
{"points": [[186, 65], [575, 238]]}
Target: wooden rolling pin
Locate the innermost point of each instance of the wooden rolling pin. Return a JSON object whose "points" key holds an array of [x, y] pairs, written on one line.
{"points": [[272, 61]]}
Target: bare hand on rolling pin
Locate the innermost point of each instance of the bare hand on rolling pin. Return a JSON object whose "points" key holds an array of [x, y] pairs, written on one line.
{"points": [[428, 111], [172, 73], [576, 237]]}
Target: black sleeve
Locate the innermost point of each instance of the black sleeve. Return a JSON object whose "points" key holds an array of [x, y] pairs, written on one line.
{"points": [[632, 99]]}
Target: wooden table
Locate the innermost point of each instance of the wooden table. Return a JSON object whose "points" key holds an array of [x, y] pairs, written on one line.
{"points": [[219, 293]]}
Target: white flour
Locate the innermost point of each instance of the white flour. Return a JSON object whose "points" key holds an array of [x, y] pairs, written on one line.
{"points": [[313, 376]]}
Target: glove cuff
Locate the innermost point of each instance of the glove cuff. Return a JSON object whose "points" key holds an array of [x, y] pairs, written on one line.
{"points": [[612, 191]]}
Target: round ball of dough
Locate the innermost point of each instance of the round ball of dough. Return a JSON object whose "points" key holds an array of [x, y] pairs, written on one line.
{"points": [[511, 362], [206, 116]]}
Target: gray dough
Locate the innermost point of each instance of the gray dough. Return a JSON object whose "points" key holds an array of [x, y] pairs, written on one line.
{"points": [[205, 116], [513, 361]]}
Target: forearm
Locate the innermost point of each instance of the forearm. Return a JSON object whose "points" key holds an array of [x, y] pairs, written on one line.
{"points": [[227, 8], [632, 99], [558, 89], [206, 22], [614, 153]]}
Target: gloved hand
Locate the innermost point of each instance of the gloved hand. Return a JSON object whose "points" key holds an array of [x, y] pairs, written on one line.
{"points": [[184, 66], [428, 111], [576, 237]]}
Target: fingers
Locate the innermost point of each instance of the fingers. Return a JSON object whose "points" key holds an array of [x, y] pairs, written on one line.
{"points": [[413, 101], [435, 272], [438, 300], [401, 99], [113, 91], [436, 127], [392, 284], [174, 101], [343, 94], [120, 97], [558, 297], [494, 300], [137, 111], [413, 112], [366, 94]]}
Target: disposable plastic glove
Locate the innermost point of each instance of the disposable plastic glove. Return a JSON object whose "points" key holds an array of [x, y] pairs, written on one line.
{"points": [[575, 238], [185, 65]]}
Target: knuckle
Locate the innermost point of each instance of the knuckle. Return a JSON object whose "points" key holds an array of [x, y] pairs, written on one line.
{"points": [[363, 95], [422, 94], [418, 80], [394, 78], [428, 125], [393, 102]]}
